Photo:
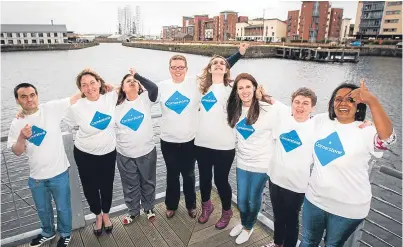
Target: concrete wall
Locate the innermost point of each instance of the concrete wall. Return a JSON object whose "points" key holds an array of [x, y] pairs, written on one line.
{"points": [[46, 47], [253, 52]]}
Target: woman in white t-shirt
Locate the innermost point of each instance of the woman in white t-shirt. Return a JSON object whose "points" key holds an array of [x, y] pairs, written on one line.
{"points": [[136, 153], [253, 121], [339, 191], [95, 144], [215, 139]]}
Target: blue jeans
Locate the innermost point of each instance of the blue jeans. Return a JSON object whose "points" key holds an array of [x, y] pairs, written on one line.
{"points": [[250, 187], [42, 192], [316, 220]]}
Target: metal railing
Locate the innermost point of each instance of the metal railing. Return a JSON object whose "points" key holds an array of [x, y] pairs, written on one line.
{"points": [[20, 221]]}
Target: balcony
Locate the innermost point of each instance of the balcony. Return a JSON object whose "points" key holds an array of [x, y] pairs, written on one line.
{"points": [[368, 8], [370, 24], [315, 13], [368, 17]]}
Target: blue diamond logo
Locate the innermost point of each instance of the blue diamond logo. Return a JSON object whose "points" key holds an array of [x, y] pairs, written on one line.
{"points": [[290, 140], [132, 119], [100, 120], [37, 136], [208, 101], [329, 149], [177, 102], [244, 129]]}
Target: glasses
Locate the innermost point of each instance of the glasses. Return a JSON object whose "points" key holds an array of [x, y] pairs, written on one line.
{"points": [[177, 67], [218, 62], [338, 100]]}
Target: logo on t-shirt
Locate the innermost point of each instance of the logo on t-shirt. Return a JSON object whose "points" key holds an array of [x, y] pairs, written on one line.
{"points": [[290, 140], [132, 119], [329, 149], [177, 102], [37, 136], [244, 129], [208, 101], [100, 120]]}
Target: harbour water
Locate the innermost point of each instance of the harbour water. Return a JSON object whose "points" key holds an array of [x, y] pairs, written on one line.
{"points": [[53, 72]]}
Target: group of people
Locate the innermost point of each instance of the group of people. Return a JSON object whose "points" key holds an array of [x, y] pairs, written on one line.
{"points": [[209, 119]]}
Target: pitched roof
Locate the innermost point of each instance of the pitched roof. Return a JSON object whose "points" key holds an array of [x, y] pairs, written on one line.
{"points": [[32, 28]]}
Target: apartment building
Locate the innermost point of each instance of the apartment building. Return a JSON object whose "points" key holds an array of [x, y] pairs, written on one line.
{"points": [[14, 34], [268, 30]]}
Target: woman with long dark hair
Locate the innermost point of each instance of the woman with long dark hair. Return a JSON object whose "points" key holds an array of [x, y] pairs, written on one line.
{"points": [[136, 153], [215, 139], [339, 191], [253, 121]]}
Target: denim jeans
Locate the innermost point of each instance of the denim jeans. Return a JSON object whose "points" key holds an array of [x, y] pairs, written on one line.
{"points": [[315, 221], [250, 187], [42, 192]]}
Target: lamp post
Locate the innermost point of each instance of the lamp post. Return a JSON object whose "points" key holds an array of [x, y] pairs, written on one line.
{"points": [[263, 23]]}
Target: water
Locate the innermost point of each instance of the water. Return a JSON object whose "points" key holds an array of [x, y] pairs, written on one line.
{"points": [[53, 72]]}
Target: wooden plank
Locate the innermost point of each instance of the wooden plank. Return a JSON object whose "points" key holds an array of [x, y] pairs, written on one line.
{"points": [[211, 236], [107, 240], [176, 224], [151, 233], [120, 235], [166, 232], [136, 235], [88, 237], [76, 240], [261, 242]]}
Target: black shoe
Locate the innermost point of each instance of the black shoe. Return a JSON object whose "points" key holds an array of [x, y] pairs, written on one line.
{"points": [[108, 229], [39, 240], [97, 232], [63, 242]]}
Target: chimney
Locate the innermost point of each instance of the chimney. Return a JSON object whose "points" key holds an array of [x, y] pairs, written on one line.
{"points": [[51, 22]]}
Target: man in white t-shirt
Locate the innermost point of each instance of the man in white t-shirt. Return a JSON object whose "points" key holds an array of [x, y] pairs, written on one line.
{"points": [[39, 136]]}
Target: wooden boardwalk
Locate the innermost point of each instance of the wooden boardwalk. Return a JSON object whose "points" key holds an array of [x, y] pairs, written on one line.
{"points": [[179, 231]]}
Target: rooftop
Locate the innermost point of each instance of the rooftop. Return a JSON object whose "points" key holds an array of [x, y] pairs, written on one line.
{"points": [[32, 28]]}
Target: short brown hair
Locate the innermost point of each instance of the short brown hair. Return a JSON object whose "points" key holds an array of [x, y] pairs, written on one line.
{"points": [[306, 92], [97, 77], [178, 57]]}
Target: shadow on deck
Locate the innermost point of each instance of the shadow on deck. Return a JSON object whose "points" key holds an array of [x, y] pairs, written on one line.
{"points": [[178, 231]]}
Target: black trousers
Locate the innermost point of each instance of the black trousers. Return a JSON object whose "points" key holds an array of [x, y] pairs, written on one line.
{"points": [[221, 161], [286, 207], [97, 173], [179, 160]]}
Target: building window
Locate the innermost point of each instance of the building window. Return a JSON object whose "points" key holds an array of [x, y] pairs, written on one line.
{"points": [[41, 41], [10, 35], [33, 35], [394, 3], [389, 29], [40, 35], [25, 35], [49, 41], [55, 34], [394, 12], [392, 21], [25, 41], [10, 42], [33, 41], [19, 35], [3, 42], [19, 41]]}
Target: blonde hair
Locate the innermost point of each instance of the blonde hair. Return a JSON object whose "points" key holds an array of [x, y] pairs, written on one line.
{"points": [[205, 80]]}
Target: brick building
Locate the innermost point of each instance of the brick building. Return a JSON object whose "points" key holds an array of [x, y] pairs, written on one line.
{"points": [[227, 25]]}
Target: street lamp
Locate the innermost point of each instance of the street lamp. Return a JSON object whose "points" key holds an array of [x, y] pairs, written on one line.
{"points": [[263, 22]]}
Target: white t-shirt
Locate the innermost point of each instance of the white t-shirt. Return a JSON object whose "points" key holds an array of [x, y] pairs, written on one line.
{"points": [[45, 150], [291, 164], [213, 130], [255, 144], [134, 128], [339, 182], [180, 109], [96, 121]]}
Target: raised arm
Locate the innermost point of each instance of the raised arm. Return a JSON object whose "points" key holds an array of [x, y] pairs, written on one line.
{"points": [[150, 86], [382, 122], [237, 55]]}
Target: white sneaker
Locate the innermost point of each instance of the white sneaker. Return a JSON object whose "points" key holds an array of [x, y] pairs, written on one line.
{"points": [[244, 236], [236, 230]]}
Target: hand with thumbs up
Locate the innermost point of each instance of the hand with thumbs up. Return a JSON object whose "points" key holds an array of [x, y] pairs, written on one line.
{"points": [[362, 94]]}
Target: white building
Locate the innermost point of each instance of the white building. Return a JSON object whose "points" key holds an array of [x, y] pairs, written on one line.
{"points": [[126, 21], [14, 34], [345, 27], [269, 30]]}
